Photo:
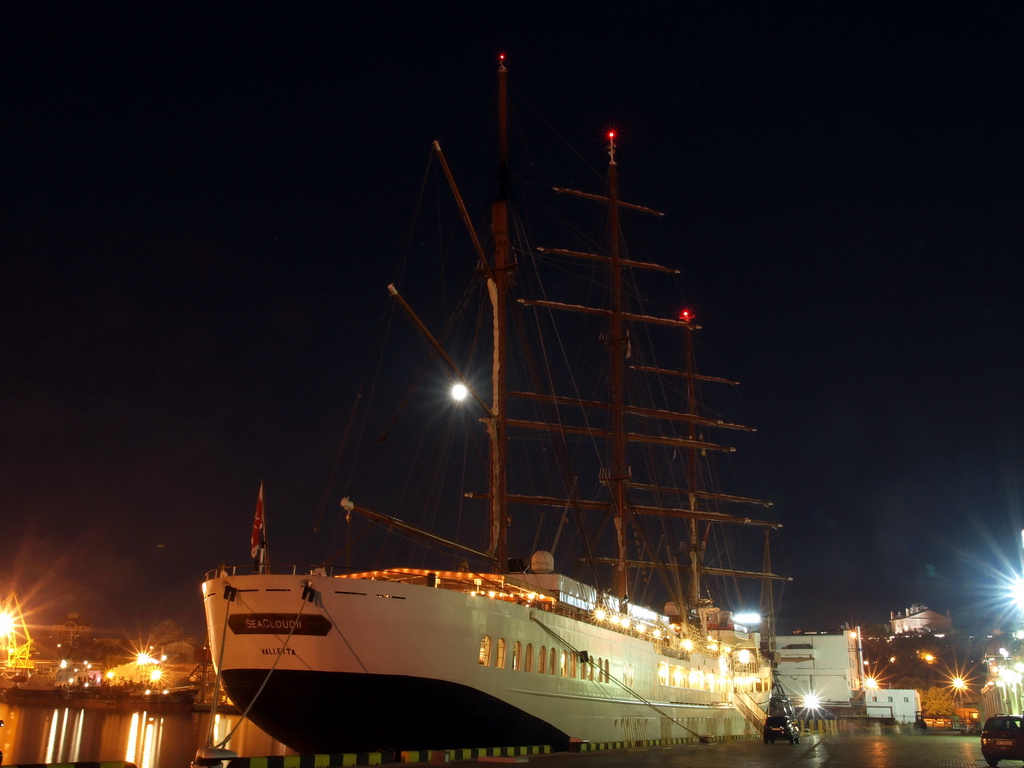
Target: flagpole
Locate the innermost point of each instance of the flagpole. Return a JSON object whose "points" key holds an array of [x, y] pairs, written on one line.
{"points": [[266, 549], [258, 539]]}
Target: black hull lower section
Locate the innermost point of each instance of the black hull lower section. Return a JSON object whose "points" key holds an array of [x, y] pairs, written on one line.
{"points": [[317, 712]]}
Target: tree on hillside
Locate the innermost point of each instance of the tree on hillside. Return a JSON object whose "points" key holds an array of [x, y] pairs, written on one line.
{"points": [[938, 702]]}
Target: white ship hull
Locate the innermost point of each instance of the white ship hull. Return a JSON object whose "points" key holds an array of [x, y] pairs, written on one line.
{"points": [[358, 664]]}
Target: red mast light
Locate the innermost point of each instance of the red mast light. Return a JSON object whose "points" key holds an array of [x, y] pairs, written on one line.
{"points": [[686, 315]]}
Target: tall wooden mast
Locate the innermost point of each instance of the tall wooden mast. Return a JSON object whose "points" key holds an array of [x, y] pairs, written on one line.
{"points": [[497, 284], [618, 345], [768, 603], [692, 477]]}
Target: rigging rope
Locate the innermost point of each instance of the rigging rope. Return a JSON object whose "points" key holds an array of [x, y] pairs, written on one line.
{"points": [[245, 714], [620, 683]]}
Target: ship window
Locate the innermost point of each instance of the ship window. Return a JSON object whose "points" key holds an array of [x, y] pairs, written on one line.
{"points": [[564, 665], [572, 664], [592, 669], [542, 660], [500, 661], [517, 656], [677, 677], [606, 675], [528, 667], [583, 669], [553, 669], [485, 651]]}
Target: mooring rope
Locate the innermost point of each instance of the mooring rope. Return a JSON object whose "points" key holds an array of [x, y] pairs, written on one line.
{"points": [[652, 705], [266, 679]]}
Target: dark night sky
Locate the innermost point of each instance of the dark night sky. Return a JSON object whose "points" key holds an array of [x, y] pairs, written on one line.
{"points": [[200, 208]]}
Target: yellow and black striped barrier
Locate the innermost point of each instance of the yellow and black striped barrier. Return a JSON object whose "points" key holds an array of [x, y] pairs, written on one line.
{"points": [[595, 746], [333, 760], [346, 759], [430, 755]]}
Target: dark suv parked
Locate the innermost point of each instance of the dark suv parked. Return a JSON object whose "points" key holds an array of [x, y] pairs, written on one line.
{"points": [[781, 727], [1002, 738]]}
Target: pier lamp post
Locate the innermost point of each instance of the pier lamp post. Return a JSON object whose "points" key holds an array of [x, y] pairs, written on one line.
{"points": [[959, 685], [870, 684]]}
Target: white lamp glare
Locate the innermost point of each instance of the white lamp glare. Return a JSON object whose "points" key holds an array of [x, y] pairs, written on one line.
{"points": [[1016, 592]]}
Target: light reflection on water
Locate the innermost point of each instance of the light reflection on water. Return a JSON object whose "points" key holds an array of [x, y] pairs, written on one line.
{"points": [[150, 740]]}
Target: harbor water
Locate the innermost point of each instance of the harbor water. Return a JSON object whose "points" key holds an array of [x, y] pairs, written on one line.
{"points": [[41, 734]]}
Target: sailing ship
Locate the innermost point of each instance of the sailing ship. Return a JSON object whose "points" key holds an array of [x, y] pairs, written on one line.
{"points": [[330, 659]]}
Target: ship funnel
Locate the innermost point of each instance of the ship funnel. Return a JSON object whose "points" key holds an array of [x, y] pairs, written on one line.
{"points": [[542, 562]]}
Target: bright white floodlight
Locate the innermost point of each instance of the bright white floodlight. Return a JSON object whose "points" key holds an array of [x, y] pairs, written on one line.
{"points": [[459, 392], [1016, 592]]}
